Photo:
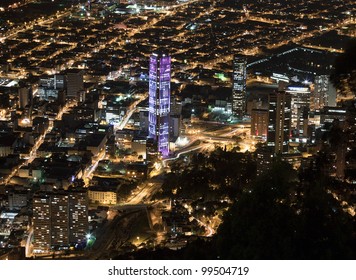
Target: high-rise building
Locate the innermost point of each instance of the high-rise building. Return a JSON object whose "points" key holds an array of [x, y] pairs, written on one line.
{"points": [[41, 223], [279, 121], [78, 215], [59, 218], [300, 100], [74, 83], [259, 122], [239, 86], [324, 93], [159, 100]]}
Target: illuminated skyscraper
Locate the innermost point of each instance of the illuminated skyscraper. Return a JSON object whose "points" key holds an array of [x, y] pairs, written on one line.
{"points": [[159, 100], [239, 86], [324, 93], [279, 122], [300, 99]]}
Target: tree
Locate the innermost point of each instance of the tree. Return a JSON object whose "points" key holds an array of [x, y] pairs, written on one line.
{"points": [[344, 74], [260, 224], [274, 222], [325, 230]]}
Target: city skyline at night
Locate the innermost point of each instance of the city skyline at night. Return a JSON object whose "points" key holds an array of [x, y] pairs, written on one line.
{"points": [[177, 130]]}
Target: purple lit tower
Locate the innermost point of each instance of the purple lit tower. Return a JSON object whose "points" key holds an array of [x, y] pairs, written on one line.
{"points": [[159, 100]]}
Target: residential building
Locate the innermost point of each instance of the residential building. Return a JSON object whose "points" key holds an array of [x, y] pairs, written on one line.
{"points": [[59, 219]]}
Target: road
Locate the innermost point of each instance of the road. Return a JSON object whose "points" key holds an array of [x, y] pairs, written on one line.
{"points": [[29, 246], [39, 142], [208, 139], [209, 230], [145, 191], [91, 169], [129, 113], [88, 172], [50, 20], [115, 231]]}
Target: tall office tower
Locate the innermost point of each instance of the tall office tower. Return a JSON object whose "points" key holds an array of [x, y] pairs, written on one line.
{"points": [[159, 100], [41, 223], [279, 121], [74, 82], [324, 93], [59, 218], [239, 86], [300, 99]]}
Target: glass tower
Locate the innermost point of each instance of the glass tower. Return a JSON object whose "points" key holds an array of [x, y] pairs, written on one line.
{"points": [[159, 100], [239, 86]]}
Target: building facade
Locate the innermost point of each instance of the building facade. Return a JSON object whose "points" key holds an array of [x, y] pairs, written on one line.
{"points": [[41, 223], [300, 101], [324, 93], [159, 101], [78, 215], [75, 83], [59, 218], [279, 122], [239, 86], [259, 122], [102, 195]]}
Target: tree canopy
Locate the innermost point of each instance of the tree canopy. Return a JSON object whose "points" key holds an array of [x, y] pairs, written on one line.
{"points": [[344, 73], [280, 220]]}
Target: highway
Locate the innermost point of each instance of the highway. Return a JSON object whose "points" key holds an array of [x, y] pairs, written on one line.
{"points": [[208, 139], [29, 247], [114, 233], [145, 191]]}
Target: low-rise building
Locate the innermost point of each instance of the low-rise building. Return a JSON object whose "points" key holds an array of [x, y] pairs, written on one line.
{"points": [[101, 195]]}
